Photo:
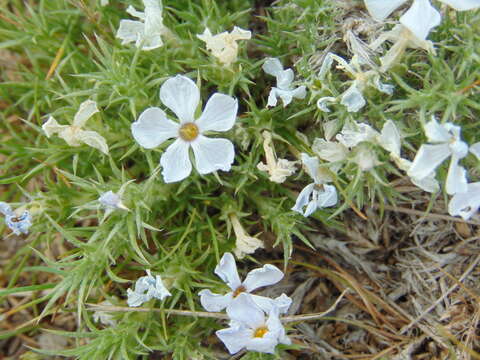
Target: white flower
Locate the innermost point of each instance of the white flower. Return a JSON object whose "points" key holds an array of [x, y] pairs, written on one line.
{"points": [[446, 142], [250, 330], [146, 33], [354, 133], [227, 271], [147, 288], [104, 317], [318, 194], [284, 89], [73, 134], [244, 243], [467, 203], [19, 224], [224, 45], [352, 98], [330, 151], [403, 39], [365, 157], [390, 140], [278, 169], [182, 96]]}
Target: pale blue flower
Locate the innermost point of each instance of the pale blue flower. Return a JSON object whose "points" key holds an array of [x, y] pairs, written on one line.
{"points": [[18, 224], [147, 288]]}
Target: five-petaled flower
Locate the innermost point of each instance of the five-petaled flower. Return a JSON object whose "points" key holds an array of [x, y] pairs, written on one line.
{"points": [[182, 96], [250, 329], [73, 134], [19, 224], [284, 89], [317, 194], [147, 288], [146, 33], [227, 271], [446, 142], [224, 45]]}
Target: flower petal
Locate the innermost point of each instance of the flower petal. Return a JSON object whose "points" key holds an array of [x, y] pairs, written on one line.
{"points": [[135, 299], [467, 203], [219, 113], [329, 150], [5, 208], [390, 138], [322, 103], [303, 198], [428, 158], [181, 95], [272, 97], [176, 162], [380, 9], [86, 110], [436, 132], [272, 66], [159, 291], [266, 275], [93, 139], [152, 128], [421, 18], [212, 154], [265, 344], [285, 79], [462, 5], [456, 177], [328, 197], [275, 327], [51, 126], [475, 150], [244, 310], [282, 303], [227, 271], [214, 302], [234, 338], [353, 99], [130, 31]]}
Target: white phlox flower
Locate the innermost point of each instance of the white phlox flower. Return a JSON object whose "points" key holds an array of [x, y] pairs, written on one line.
{"points": [[284, 89], [390, 140], [182, 96], [244, 243], [147, 288], [318, 194], [467, 203], [19, 224], [224, 46], [257, 278], [421, 17], [402, 39], [250, 329], [352, 98], [354, 133], [74, 135], [104, 317], [446, 142], [147, 32], [278, 169]]}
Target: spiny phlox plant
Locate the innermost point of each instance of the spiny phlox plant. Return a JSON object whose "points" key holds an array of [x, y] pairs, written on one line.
{"points": [[350, 151]]}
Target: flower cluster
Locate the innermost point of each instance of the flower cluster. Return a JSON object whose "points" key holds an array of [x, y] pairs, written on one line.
{"points": [[254, 320]]}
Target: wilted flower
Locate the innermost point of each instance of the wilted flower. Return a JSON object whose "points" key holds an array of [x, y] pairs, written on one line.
{"points": [[250, 330], [284, 89], [446, 143], [318, 194], [244, 243], [104, 317], [227, 271], [278, 169], [224, 45], [19, 224], [147, 288], [352, 98], [73, 134], [182, 96], [390, 140], [147, 32], [467, 203], [402, 39]]}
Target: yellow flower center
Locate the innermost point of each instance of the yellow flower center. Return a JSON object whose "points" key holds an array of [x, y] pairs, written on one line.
{"points": [[238, 291], [260, 332], [189, 131]]}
